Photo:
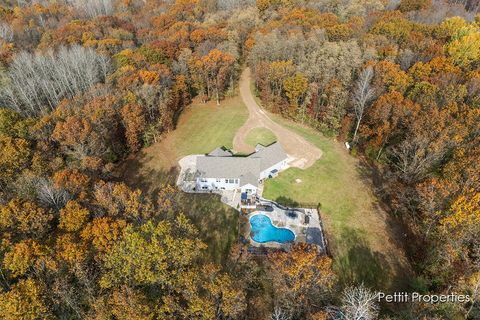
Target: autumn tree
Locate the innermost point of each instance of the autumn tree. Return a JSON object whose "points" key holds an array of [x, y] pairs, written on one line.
{"points": [[134, 122], [410, 5], [26, 300], [278, 71], [117, 199], [147, 256], [103, 233], [386, 117], [23, 257], [215, 71], [73, 216], [295, 88], [15, 155], [13, 124], [24, 218], [301, 276], [90, 134]]}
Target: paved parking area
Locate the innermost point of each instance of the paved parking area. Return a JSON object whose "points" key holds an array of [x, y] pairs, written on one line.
{"points": [[188, 169]]}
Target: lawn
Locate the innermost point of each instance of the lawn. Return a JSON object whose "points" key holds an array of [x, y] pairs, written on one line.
{"points": [[200, 129], [263, 136], [361, 234]]}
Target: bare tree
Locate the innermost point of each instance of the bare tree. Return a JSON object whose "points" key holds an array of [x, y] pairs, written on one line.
{"points": [[6, 32], [279, 314], [51, 195], [37, 83], [234, 4], [362, 95], [414, 157], [359, 303], [93, 8]]}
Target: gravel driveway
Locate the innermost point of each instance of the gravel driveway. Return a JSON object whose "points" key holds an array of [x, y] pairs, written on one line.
{"points": [[302, 153]]}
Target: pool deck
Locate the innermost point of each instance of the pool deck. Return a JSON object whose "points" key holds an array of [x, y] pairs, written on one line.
{"points": [[309, 233]]}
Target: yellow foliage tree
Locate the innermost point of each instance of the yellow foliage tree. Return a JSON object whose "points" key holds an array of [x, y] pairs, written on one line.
{"points": [[465, 211], [24, 301], [14, 157], [295, 87], [73, 216]]}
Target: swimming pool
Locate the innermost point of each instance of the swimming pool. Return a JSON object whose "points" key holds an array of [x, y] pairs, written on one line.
{"points": [[264, 231]]}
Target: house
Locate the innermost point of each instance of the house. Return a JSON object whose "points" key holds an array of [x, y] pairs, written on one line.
{"points": [[221, 170]]}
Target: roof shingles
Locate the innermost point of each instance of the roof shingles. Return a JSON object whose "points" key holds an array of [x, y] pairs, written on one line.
{"points": [[247, 169]]}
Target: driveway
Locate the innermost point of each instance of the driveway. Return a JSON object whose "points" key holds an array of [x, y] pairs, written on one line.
{"points": [[302, 153]]}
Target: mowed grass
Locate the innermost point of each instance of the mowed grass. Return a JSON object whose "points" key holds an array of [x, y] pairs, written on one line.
{"points": [[200, 129], [263, 136], [361, 237]]}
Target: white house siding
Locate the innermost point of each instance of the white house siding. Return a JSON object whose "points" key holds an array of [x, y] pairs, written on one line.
{"points": [[249, 188], [217, 184], [279, 166]]}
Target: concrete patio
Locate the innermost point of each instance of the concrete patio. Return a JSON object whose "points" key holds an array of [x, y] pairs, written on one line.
{"points": [[305, 231]]}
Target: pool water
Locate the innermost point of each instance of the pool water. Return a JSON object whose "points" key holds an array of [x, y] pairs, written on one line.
{"points": [[264, 231]]}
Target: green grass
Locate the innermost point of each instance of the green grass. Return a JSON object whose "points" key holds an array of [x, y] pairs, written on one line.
{"points": [[353, 222], [200, 129], [263, 136], [207, 126]]}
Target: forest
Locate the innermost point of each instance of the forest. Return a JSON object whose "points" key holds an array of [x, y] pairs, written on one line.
{"points": [[84, 84]]}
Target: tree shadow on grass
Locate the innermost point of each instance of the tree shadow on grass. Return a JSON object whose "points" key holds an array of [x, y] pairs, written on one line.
{"points": [[397, 230], [359, 264], [217, 223]]}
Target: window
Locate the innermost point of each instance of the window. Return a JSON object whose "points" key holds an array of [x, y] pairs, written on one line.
{"points": [[218, 180], [226, 180], [230, 180], [203, 180], [236, 180]]}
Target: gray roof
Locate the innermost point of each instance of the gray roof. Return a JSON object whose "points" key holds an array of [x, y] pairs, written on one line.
{"points": [[249, 178], [220, 152], [246, 168], [227, 167], [270, 155], [259, 147]]}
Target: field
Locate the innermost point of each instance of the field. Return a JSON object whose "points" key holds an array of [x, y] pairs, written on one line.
{"points": [[260, 135], [200, 129]]}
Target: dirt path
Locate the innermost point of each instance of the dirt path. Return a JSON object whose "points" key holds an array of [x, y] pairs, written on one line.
{"points": [[303, 153]]}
